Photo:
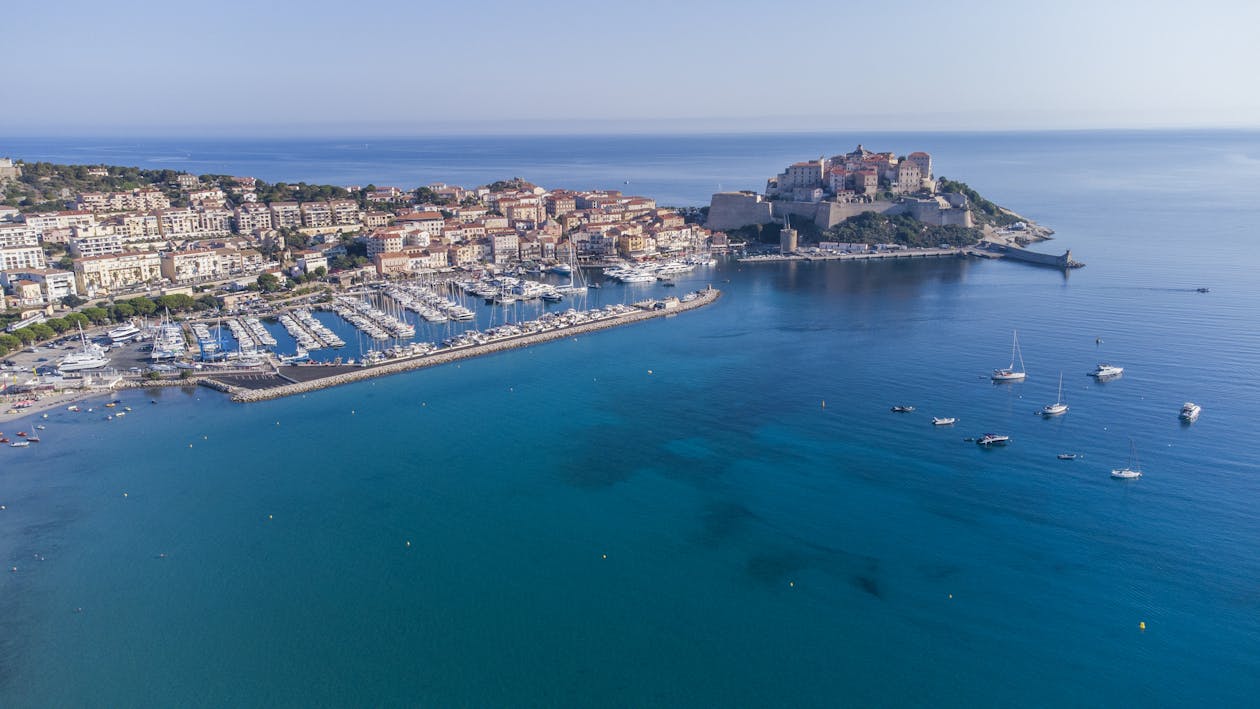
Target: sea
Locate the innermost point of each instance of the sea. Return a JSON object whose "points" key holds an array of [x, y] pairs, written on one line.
{"points": [[712, 509]]}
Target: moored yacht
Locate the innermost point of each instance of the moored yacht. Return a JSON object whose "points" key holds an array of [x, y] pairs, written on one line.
{"points": [[1132, 471], [1010, 373], [949, 421], [1104, 370], [1058, 407], [992, 439], [1190, 412]]}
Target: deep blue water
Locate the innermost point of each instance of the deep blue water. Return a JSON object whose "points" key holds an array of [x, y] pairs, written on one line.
{"points": [[761, 549]]}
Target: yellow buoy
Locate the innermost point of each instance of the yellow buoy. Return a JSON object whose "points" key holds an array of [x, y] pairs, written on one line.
{"points": [[1142, 625]]}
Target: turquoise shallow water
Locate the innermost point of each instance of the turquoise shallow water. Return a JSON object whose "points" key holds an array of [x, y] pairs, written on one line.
{"points": [[760, 548]]}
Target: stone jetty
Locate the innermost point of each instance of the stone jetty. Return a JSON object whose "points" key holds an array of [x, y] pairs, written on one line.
{"points": [[283, 385]]}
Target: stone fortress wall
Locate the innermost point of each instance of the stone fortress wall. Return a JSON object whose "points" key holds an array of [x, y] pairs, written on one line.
{"points": [[732, 210]]}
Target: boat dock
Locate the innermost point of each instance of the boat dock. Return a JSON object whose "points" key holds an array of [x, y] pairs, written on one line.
{"points": [[862, 256], [983, 250], [289, 380]]}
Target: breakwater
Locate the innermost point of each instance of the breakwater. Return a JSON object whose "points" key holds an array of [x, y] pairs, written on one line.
{"points": [[284, 385], [860, 256]]}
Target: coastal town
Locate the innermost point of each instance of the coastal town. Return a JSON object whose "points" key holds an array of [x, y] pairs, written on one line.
{"points": [[372, 260], [251, 287]]}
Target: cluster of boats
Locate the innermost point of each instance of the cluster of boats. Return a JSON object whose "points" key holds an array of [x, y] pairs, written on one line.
{"points": [[310, 334], [544, 323], [1189, 413], [656, 270], [509, 289], [168, 342], [410, 349], [250, 334], [23, 439], [427, 304], [375, 323]]}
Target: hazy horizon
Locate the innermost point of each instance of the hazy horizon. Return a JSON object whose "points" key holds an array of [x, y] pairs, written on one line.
{"points": [[235, 69]]}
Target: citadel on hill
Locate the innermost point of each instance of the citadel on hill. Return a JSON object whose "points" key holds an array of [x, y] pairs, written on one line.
{"points": [[828, 191]]}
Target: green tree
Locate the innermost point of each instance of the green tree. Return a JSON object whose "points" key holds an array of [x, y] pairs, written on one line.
{"points": [[72, 301], [269, 283], [207, 302], [123, 311], [176, 302], [100, 316], [9, 342], [43, 332], [77, 320], [59, 325], [143, 306], [25, 334], [320, 272]]}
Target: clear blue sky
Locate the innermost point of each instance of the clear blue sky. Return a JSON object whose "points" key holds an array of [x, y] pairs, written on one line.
{"points": [[386, 67]]}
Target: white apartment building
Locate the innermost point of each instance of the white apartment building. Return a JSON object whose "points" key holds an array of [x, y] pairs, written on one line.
{"points": [[49, 221], [95, 241], [285, 214], [252, 217], [16, 257], [12, 235], [98, 275], [345, 211]]}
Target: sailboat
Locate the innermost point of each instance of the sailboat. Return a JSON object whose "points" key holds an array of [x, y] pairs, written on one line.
{"points": [[1133, 470], [1058, 407], [1010, 374]]}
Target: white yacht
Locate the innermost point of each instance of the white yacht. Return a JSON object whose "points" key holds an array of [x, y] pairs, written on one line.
{"points": [[1104, 370], [1190, 412], [123, 333], [992, 439], [1010, 373], [89, 356], [950, 421]]}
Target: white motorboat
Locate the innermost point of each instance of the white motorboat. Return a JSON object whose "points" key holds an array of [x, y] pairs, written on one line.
{"points": [[1104, 370], [1133, 470], [950, 421], [1190, 412], [992, 439], [1058, 407], [1010, 373]]}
